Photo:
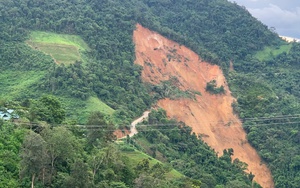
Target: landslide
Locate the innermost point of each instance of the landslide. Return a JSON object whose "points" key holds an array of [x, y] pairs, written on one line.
{"points": [[210, 116]]}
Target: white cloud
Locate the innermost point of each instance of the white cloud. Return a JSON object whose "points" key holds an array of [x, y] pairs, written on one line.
{"points": [[286, 22], [284, 15]]}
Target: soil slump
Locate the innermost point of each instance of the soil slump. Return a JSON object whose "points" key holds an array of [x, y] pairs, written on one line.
{"points": [[210, 116]]}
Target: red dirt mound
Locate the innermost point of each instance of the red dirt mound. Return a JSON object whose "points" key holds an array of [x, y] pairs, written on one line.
{"points": [[121, 133], [210, 116]]}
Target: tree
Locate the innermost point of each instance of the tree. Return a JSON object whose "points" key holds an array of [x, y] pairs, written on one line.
{"points": [[96, 160], [60, 144], [143, 166], [55, 109], [99, 130], [10, 142], [212, 88], [146, 181], [33, 156], [47, 108], [79, 175], [237, 184]]}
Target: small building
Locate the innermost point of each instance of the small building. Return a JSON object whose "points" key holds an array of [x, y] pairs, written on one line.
{"points": [[8, 114], [5, 116]]}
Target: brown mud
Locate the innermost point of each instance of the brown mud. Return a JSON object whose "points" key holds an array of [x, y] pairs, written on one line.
{"points": [[210, 116], [121, 133]]}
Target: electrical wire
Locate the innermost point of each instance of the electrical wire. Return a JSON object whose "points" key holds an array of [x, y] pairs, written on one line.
{"points": [[260, 121]]}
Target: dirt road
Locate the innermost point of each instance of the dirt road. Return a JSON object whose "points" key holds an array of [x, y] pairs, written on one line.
{"points": [[133, 130]]}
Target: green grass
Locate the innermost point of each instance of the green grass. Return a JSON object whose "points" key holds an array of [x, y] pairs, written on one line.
{"points": [[136, 156], [270, 52], [95, 104], [64, 49], [15, 84], [18, 85], [79, 110], [53, 38]]}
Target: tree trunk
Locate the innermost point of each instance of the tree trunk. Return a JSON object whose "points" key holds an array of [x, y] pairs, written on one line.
{"points": [[44, 176], [32, 181], [52, 168]]}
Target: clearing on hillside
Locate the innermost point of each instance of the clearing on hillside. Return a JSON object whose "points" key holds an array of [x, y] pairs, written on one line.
{"points": [[136, 156], [64, 49], [269, 52], [80, 110], [15, 84]]}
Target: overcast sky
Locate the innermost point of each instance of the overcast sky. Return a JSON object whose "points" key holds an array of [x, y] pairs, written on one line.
{"points": [[284, 15]]}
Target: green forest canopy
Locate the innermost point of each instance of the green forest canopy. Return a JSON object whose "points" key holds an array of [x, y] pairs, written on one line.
{"points": [[217, 30]]}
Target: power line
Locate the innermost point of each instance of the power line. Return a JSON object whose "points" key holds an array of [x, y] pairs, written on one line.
{"points": [[274, 117], [259, 121], [162, 127], [175, 124], [266, 118]]}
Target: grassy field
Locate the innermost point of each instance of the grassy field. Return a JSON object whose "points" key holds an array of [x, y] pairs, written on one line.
{"points": [[80, 110], [64, 49], [95, 104], [16, 83], [19, 84], [136, 156], [270, 52]]}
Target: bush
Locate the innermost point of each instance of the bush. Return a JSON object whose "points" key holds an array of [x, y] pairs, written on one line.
{"points": [[212, 88]]}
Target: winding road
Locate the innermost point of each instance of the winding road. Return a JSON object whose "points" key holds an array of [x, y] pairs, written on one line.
{"points": [[133, 130]]}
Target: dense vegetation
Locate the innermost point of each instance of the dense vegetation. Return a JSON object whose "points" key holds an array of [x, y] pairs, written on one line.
{"points": [[41, 155], [268, 101], [217, 30], [10, 144], [264, 80], [174, 142], [212, 88], [109, 72]]}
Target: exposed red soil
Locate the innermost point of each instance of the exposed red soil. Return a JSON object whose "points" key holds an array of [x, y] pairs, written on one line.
{"points": [[121, 133], [210, 116]]}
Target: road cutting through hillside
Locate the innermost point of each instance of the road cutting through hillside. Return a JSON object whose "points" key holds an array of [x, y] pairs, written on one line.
{"points": [[210, 116], [133, 130]]}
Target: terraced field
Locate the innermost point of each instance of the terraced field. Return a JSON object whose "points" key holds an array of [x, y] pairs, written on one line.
{"points": [[64, 49]]}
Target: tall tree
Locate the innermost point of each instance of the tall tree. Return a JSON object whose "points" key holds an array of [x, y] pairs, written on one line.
{"points": [[61, 145], [99, 130], [79, 177], [33, 156], [47, 108]]}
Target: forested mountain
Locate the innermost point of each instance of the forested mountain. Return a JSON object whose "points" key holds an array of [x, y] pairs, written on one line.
{"points": [[263, 77]]}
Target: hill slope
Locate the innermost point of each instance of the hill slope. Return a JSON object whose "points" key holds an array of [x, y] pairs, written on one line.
{"points": [[220, 32], [209, 115]]}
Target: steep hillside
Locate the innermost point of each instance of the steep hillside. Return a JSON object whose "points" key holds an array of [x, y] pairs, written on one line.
{"points": [[107, 28], [264, 77], [210, 116]]}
